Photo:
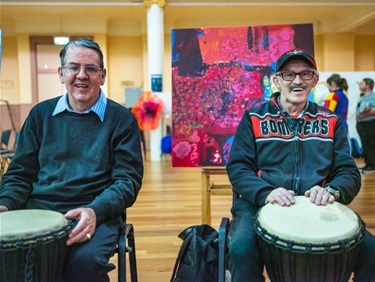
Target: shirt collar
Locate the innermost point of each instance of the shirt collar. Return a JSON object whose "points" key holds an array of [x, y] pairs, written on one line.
{"points": [[98, 108]]}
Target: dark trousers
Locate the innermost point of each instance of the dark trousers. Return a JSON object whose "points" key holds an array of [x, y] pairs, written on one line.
{"points": [[366, 131], [244, 256], [89, 261]]}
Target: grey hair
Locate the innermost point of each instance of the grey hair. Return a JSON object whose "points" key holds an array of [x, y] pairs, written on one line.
{"points": [[82, 42]]}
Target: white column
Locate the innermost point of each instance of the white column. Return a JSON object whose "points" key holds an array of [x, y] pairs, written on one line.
{"points": [[155, 46]]}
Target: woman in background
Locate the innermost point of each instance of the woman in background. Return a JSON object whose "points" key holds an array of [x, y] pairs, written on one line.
{"points": [[337, 100]]}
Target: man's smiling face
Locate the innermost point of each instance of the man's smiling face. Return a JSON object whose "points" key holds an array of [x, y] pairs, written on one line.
{"points": [[83, 88], [296, 91]]}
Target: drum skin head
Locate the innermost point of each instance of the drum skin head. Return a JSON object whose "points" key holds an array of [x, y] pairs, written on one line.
{"points": [[28, 223], [305, 222]]}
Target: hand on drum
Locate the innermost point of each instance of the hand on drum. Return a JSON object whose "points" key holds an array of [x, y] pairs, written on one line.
{"points": [[85, 228], [319, 196], [281, 196], [3, 208]]}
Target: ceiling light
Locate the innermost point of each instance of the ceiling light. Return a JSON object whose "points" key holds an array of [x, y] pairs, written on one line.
{"points": [[60, 40]]}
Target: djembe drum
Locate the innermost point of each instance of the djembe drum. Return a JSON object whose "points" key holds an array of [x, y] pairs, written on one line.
{"points": [[306, 242], [32, 245]]}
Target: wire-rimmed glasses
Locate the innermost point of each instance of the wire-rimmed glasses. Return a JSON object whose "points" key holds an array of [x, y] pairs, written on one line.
{"points": [[89, 69]]}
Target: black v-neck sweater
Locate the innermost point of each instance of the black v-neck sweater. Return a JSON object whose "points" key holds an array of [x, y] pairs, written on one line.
{"points": [[72, 160]]}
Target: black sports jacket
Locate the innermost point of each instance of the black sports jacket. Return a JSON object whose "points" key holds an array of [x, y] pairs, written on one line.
{"points": [[272, 150]]}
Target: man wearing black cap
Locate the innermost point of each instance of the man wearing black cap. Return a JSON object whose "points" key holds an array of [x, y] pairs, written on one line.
{"points": [[285, 147]]}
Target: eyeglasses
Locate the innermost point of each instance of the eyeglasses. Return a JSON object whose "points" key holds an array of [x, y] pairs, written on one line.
{"points": [[90, 70], [290, 76]]}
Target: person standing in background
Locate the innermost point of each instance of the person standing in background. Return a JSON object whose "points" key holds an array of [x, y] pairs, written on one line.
{"points": [[337, 100], [365, 114]]}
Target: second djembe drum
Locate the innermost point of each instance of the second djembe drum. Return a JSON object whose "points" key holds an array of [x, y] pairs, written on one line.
{"points": [[306, 242]]}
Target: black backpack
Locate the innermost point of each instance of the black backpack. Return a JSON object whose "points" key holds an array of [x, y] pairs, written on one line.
{"points": [[197, 260], [356, 151]]}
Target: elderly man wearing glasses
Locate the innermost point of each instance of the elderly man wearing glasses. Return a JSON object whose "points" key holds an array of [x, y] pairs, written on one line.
{"points": [[79, 154], [287, 147]]}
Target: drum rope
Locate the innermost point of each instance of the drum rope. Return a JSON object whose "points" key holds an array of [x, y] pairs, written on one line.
{"points": [[322, 248], [41, 238], [29, 266]]}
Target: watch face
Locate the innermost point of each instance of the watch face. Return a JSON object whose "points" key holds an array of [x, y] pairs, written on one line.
{"points": [[333, 192]]}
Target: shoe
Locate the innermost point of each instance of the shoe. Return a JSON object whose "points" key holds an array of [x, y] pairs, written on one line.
{"points": [[363, 167], [368, 169]]}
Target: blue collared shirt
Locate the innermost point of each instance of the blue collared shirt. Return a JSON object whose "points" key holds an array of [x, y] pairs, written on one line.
{"points": [[98, 108]]}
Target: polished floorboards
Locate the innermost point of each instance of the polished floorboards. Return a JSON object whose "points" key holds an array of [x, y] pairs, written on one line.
{"points": [[170, 201]]}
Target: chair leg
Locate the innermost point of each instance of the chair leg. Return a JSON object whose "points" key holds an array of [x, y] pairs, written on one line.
{"points": [[126, 244], [122, 256], [223, 233], [143, 144], [132, 255]]}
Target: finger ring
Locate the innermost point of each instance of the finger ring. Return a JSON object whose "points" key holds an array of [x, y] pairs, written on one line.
{"points": [[88, 236]]}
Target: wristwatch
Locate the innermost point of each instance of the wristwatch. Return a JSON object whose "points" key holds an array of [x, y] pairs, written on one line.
{"points": [[333, 192]]}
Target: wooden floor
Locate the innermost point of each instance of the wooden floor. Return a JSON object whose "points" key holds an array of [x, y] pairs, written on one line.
{"points": [[169, 202]]}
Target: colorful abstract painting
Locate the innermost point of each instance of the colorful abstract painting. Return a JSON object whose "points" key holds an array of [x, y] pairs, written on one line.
{"points": [[218, 73]]}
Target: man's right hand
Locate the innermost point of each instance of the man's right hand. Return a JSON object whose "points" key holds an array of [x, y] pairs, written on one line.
{"points": [[281, 196]]}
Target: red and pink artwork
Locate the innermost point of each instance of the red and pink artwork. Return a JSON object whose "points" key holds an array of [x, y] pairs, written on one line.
{"points": [[218, 73]]}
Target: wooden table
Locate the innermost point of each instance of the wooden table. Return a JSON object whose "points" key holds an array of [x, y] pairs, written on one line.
{"points": [[210, 188]]}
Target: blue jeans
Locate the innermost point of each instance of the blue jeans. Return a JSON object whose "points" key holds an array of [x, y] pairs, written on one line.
{"points": [[89, 261], [245, 261]]}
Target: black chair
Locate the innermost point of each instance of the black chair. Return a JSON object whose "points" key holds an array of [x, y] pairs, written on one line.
{"points": [[224, 229], [143, 143], [5, 136], [126, 244], [6, 153], [6, 158]]}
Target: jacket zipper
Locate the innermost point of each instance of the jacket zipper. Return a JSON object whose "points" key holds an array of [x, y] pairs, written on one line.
{"points": [[297, 170], [296, 181]]}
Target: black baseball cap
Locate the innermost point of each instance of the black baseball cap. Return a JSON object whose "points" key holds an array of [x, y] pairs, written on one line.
{"points": [[294, 55]]}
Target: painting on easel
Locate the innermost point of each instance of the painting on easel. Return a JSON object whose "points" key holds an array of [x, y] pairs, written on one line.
{"points": [[218, 73]]}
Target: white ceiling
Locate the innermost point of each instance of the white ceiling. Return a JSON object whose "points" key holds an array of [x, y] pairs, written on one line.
{"points": [[129, 17]]}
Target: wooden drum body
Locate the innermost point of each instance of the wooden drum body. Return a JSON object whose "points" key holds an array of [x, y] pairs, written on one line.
{"points": [[32, 245], [306, 242]]}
